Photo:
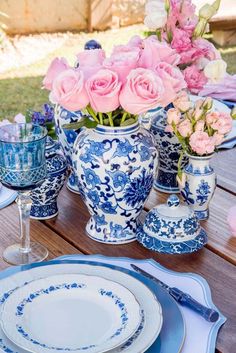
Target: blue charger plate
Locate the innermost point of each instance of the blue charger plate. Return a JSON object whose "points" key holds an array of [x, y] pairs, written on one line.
{"points": [[172, 334]]}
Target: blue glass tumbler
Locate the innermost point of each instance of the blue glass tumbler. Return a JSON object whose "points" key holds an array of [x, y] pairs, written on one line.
{"points": [[23, 168]]}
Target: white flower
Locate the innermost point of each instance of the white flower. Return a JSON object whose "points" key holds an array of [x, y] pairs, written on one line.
{"points": [[156, 14], [19, 118], [215, 70]]}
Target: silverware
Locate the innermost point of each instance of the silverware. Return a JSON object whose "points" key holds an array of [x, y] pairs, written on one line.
{"points": [[182, 298]]}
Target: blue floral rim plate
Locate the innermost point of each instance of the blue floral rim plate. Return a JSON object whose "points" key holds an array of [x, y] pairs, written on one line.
{"points": [[7, 196]]}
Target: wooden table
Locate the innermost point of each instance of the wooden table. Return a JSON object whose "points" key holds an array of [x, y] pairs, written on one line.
{"points": [[216, 262]]}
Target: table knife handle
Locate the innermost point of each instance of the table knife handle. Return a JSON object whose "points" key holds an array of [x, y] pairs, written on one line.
{"points": [[209, 314]]}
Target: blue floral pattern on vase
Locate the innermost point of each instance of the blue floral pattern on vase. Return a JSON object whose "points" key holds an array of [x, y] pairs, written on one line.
{"points": [[199, 185], [169, 152], [45, 196], [116, 174], [67, 139]]}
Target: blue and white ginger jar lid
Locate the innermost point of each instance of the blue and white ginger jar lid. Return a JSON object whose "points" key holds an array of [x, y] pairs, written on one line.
{"points": [[172, 228]]}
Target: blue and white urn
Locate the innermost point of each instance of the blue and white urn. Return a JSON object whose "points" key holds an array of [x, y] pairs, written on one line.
{"points": [[44, 197], [198, 185], [168, 149], [67, 139], [172, 228], [116, 169]]}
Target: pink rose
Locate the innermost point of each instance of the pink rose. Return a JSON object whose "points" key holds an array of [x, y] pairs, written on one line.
{"points": [[195, 78], [103, 90], [173, 116], [136, 41], [200, 125], [201, 143], [223, 125], [212, 117], [68, 90], [90, 61], [231, 219], [185, 128], [123, 59], [182, 102], [197, 113], [143, 91], [56, 67], [181, 41], [154, 51], [172, 79]]}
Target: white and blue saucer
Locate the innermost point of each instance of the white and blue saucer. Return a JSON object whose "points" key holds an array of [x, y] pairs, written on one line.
{"points": [[172, 229], [7, 196]]}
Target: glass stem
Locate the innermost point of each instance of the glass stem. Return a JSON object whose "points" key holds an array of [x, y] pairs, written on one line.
{"points": [[24, 204]]}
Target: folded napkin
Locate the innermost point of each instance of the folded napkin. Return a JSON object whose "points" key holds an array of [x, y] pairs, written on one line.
{"points": [[7, 196], [200, 334], [226, 89]]}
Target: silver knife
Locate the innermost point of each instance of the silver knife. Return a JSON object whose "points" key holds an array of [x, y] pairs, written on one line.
{"points": [[182, 298]]}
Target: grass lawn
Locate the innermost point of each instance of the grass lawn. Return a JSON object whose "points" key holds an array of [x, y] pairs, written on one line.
{"points": [[20, 89]]}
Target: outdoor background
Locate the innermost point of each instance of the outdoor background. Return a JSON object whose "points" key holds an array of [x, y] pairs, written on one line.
{"points": [[33, 32]]}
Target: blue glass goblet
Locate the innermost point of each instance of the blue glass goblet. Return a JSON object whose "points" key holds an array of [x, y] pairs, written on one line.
{"points": [[23, 168]]}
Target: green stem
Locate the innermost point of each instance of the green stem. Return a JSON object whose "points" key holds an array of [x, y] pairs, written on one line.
{"points": [[100, 118], [123, 117], [92, 113], [110, 118], [179, 164]]}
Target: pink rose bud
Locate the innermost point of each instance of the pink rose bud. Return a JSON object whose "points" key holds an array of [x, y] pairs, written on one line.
{"points": [[231, 219], [68, 90], [173, 116], [212, 117], [185, 128], [56, 67], [199, 125], [143, 91], [197, 114], [208, 103], [169, 128], [199, 103], [182, 102], [103, 90], [201, 143]]}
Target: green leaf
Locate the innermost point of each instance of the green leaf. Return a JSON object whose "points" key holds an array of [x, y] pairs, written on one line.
{"points": [[90, 124], [28, 116], [128, 122]]}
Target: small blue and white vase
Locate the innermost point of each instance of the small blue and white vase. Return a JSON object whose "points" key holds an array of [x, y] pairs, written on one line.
{"points": [[168, 149], [172, 228], [67, 139], [45, 196], [116, 168], [198, 185]]}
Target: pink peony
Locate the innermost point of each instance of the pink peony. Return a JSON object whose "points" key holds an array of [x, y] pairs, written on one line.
{"points": [[223, 125], [195, 78], [68, 90], [103, 90], [231, 219], [123, 59], [173, 116], [143, 90], [154, 51], [201, 143], [185, 128], [56, 67], [90, 61], [200, 125], [172, 79]]}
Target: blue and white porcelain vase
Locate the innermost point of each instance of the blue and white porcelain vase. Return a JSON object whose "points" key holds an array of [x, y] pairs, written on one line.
{"points": [[172, 228], [45, 196], [67, 139], [169, 152], [116, 169], [198, 186]]}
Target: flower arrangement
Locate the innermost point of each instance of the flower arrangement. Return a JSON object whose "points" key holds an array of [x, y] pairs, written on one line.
{"points": [[113, 91], [199, 129], [176, 23]]}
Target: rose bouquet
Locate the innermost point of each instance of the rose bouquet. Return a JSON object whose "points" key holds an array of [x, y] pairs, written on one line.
{"points": [[176, 23], [113, 91], [199, 130]]}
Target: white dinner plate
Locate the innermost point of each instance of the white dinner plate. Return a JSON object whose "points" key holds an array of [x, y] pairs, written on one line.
{"points": [[146, 333], [7, 196], [70, 313]]}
